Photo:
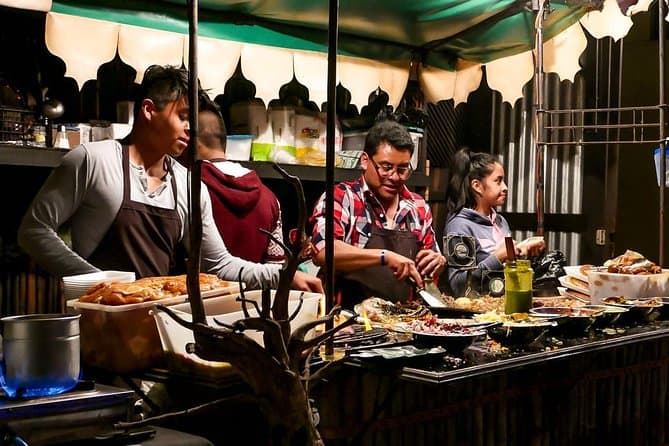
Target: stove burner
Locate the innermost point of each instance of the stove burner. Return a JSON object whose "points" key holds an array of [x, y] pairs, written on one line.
{"points": [[82, 384], [360, 336]]}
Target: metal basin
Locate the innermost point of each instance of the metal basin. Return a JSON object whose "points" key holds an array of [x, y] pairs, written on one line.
{"points": [[40, 354]]}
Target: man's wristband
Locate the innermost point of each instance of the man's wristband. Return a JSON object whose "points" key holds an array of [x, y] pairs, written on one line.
{"points": [[383, 257]]}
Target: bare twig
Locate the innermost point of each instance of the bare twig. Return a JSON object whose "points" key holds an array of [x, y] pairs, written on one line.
{"points": [[276, 240], [297, 310], [188, 411], [266, 297], [245, 301]]}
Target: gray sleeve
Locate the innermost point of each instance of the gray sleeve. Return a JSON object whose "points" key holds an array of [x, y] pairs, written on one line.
{"points": [[457, 277], [217, 259], [54, 204]]}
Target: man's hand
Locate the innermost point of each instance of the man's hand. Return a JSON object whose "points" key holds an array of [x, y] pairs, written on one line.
{"points": [[403, 267], [307, 282], [430, 263]]}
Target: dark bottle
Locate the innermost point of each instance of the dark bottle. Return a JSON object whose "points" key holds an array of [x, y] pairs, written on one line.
{"points": [[49, 132]]}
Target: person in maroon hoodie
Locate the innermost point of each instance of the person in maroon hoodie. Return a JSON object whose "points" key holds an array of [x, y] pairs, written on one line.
{"points": [[241, 203]]}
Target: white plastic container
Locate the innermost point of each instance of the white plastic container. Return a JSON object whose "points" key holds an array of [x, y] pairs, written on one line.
{"points": [[238, 147], [354, 140], [124, 338], [225, 309], [632, 286]]}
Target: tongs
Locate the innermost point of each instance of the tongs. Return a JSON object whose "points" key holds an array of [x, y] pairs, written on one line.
{"points": [[432, 297]]}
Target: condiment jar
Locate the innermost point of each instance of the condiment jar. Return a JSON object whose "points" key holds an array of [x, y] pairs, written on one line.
{"points": [[518, 277], [61, 139]]}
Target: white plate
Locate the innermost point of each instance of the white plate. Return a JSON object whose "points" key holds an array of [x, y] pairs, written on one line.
{"points": [[99, 276], [565, 283], [575, 271]]}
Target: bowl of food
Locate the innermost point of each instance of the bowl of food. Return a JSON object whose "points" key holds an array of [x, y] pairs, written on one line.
{"points": [[453, 336], [572, 322], [639, 310], [521, 329], [610, 315], [663, 311]]}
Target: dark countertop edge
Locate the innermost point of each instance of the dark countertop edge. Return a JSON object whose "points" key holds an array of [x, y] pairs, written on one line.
{"points": [[426, 376]]}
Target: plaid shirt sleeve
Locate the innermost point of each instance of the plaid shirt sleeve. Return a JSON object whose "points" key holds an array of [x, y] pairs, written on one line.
{"points": [[341, 218]]}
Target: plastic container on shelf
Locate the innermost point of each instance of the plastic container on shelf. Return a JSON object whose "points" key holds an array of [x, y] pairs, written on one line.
{"points": [[354, 140], [310, 139], [238, 147], [283, 130], [62, 142]]}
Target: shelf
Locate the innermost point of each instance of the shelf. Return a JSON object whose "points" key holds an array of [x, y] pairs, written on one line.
{"points": [[317, 173], [33, 156], [14, 155]]}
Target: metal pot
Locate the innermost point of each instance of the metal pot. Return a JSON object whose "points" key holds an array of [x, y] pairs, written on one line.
{"points": [[40, 354]]}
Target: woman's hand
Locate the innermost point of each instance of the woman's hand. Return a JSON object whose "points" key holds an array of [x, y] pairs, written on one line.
{"points": [[532, 247]]}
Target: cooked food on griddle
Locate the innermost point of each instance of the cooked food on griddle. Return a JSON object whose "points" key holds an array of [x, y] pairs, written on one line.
{"points": [[476, 305], [434, 326], [380, 310]]}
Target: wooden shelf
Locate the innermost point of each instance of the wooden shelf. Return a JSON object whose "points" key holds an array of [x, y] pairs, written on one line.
{"points": [[39, 157], [15, 155]]}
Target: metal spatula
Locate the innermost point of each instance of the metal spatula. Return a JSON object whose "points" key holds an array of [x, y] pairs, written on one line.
{"points": [[430, 293]]}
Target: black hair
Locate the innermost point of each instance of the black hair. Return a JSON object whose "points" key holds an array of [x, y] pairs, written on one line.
{"points": [[389, 132], [467, 166], [161, 84], [212, 135]]}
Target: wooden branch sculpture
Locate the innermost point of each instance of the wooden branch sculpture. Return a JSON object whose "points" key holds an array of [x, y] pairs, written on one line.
{"points": [[275, 372]]}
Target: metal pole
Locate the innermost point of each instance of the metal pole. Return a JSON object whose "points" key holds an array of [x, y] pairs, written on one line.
{"points": [[663, 157], [333, 30], [194, 188], [539, 113]]}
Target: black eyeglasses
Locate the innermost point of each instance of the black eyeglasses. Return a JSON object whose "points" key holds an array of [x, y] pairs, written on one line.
{"points": [[387, 170]]}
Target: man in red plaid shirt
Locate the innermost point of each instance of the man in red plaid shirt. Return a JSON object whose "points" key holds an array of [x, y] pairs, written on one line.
{"points": [[383, 232]]}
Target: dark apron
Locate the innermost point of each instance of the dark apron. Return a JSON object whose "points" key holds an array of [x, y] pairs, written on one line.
{"points": [[142, 238], [379, 281]]}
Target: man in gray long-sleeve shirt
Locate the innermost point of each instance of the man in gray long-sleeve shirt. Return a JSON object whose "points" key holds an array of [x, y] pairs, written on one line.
{"points": [[127, 202]]}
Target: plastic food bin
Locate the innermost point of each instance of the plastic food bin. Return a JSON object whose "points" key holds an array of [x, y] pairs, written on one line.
{"points": [[224, 309], [124, 338], [632, 286]]}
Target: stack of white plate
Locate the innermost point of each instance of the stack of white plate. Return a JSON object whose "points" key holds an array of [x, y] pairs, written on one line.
{"points": [[76, 286], [575, 283]]}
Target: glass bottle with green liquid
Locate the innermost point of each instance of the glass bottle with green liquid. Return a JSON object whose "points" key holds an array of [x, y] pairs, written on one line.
{"points": [[518, 277]]}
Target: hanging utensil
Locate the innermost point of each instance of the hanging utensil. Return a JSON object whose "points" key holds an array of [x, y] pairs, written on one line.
{"points": [[53, 108]]}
